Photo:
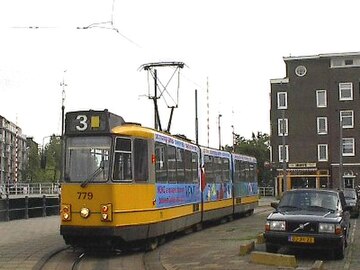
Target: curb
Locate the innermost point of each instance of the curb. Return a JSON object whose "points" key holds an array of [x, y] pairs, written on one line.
{"points": [[266, 258]]}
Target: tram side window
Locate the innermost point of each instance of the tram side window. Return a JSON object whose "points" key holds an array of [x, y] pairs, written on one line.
{"points": [[252, 173], [209, 168], [171, 157], [180, 165], [225, 169], [194, 166], [161, 163], [122, 162], [247, 172], [217, 169], [188, 167], [237, 171], [140, 160], [242, 171]]}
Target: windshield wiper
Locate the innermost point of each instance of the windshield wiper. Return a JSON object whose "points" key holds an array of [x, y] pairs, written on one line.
{"points": [[321, 208], [93, 175]]}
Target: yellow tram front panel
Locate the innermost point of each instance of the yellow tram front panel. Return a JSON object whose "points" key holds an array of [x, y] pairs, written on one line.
{"points": [[131, 204]]}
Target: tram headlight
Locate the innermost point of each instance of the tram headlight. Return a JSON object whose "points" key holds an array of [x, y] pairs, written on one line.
{"points": [[66, 212], [106, 212], [84, 212]]}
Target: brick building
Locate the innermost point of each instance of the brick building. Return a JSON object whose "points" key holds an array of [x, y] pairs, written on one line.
{"points": [[13, 155], [318, 95]]}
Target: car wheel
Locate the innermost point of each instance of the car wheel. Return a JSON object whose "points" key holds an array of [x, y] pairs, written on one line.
{"points": [[271, 248]]}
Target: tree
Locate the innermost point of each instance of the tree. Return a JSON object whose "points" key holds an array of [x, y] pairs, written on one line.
{"points": [[51, 159], [33, 165]]}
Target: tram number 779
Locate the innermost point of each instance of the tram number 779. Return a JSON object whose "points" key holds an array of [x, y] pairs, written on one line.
{"points": [[85, 195]]}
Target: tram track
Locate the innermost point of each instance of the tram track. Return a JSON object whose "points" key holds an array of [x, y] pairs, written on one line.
{"points": [[67, 258]]}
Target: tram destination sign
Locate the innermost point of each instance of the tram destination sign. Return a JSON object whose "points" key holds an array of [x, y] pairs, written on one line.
{"points": [[83, 122]]}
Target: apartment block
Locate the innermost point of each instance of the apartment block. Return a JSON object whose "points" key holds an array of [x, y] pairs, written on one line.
{"points": [[13, 154], [315, 122]]}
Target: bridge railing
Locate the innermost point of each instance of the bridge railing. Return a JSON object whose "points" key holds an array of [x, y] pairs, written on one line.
{"points": [[266, 191], [30, 189]]}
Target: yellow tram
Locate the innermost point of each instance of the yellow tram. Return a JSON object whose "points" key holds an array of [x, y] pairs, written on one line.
{"points": [[125, 184]]}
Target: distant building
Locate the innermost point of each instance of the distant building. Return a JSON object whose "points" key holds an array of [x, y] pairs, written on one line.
{"points": [[13, 156], [315, 121]]}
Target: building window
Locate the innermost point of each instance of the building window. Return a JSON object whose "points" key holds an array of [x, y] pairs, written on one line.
{"points": [[322, 152], [348, 148], [283, 127], [322, 125], [349, 62], [282, 153], [282, 100], [345, 91], [347, 118], [321, 98]]}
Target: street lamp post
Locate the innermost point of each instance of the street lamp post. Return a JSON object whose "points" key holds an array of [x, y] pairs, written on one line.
{"points": [[233, 137]]}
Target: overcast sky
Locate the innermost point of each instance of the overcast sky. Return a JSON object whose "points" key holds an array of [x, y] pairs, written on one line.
{"points": [[237, 46]]}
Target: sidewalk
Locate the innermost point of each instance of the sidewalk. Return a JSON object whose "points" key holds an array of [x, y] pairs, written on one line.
{"points": [[24, 242], [266, 200]]}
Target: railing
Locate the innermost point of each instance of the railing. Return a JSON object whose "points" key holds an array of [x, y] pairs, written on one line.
{"points": [[24, 207], [266, 191], [30, 189]]}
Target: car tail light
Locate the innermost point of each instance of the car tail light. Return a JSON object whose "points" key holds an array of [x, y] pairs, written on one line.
{"points": [[66, 212], [106, 212]]}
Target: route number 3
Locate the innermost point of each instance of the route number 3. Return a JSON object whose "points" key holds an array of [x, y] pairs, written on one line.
{"points": [[82, 126]]}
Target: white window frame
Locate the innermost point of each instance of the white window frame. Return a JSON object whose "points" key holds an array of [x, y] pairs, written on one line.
{"points": [[348, 142], [318, 100], [345, 86], [281, 131], [322, 157], [342, 117], [319, 130], [286, 153], [279, 105]]}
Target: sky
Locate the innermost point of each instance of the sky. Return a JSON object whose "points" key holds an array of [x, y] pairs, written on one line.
{"points": [[231, 50]]}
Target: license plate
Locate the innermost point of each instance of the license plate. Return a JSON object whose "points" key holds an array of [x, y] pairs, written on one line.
{"points": [[301, 239]]}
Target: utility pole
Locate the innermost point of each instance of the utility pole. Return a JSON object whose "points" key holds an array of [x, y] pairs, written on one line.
{"points": [[219, 126], [283, 149], [341, 178], [62, 144], [233, 137], [196, 119]]}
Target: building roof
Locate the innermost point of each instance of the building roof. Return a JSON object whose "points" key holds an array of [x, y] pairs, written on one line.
{"points": [[318, 56]]}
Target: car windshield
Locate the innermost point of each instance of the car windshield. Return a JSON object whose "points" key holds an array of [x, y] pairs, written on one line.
{"points": [[309, 200], [87, 159]]}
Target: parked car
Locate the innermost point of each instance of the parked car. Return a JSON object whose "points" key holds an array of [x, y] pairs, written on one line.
{"points": [[352, 200], [309, 219]]}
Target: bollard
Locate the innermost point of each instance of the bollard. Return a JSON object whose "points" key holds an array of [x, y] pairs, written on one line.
{"points": [[44, 206], [26, 207]]}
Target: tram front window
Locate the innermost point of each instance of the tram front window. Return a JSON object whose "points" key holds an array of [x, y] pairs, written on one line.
{"points": [[87, 159]]}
